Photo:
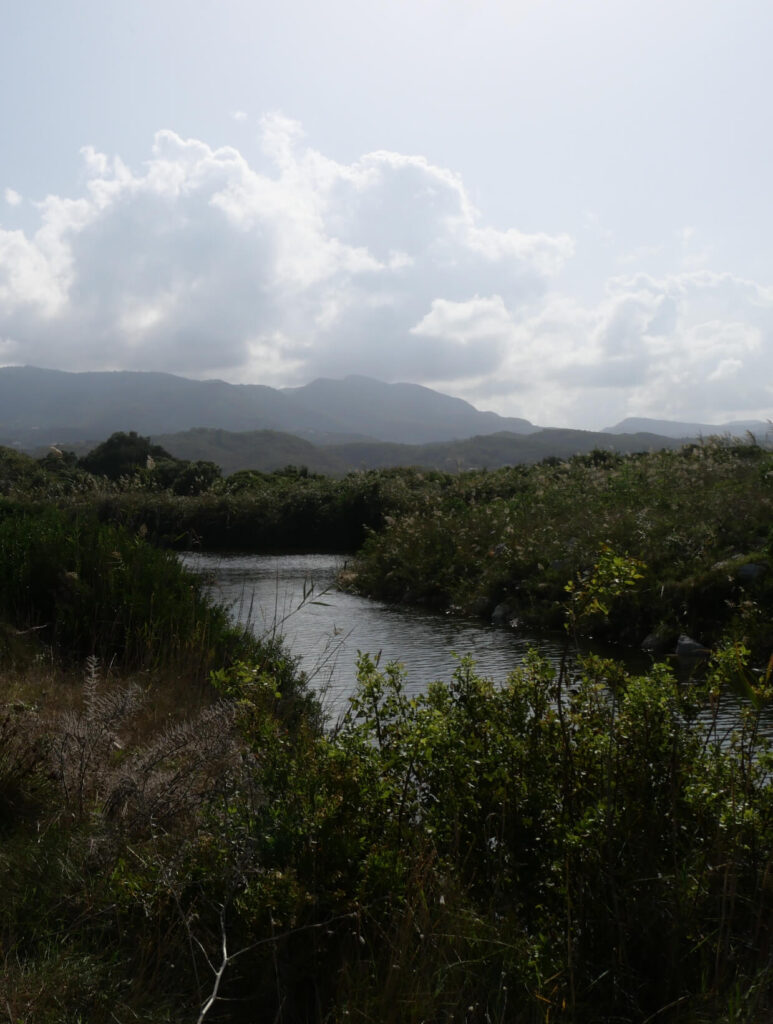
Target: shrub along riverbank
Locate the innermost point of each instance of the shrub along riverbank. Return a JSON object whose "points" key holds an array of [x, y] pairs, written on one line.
{"points": [[557, 849], [182, 840], [699, 520]]}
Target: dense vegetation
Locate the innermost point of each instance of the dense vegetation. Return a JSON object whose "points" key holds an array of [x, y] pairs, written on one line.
{"points": [[181, 838], [699, 519], [471, 542]]}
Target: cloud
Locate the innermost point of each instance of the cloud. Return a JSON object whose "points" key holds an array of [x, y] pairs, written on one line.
{"points": [[695, 345], [198, 263], [12, 197], [479, 328]]}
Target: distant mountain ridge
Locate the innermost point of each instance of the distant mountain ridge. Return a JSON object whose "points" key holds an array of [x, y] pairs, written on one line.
{"points": [[39, 407], [675, 428], [403, 413]]}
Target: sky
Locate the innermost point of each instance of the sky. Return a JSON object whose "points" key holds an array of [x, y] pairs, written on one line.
{"points": [[556, 209]]}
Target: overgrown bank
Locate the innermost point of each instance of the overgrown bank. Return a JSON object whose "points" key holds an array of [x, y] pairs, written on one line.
{"points": [[181, 839], [584, 849], [472, 542], [699, 519]]}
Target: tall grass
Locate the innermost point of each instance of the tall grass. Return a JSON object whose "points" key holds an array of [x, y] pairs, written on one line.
{"points": [[90, 588], [266, 512]]}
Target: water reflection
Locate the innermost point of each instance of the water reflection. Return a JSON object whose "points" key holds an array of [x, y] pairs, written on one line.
{"points": [[295, 596]]}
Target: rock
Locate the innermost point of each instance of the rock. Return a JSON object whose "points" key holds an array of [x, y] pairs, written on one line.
{"points": [[688, 649], [750, 572], [501, 614], [658, 641], [744, 572]]}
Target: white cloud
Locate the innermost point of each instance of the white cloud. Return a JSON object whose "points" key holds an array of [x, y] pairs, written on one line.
{"points": [[694, 345], [467, 322], [726, 368], [199, 264], [12, 197]]}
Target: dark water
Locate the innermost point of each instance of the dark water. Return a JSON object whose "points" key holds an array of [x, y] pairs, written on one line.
{"points": [[295, 595]]}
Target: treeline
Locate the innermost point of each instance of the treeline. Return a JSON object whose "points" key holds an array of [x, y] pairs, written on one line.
{"points": [[125, 461], [130, 481]]}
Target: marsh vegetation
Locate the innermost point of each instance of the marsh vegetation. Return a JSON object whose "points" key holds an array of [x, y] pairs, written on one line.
{"points": [[182, 838]]}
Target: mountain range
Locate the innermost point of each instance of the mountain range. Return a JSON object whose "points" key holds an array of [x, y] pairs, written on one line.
{"points": [[328, 425], [268, 450], [53, 407]]}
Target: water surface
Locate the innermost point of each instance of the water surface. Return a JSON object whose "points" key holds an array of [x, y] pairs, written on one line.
{"points": [[296, 596]]}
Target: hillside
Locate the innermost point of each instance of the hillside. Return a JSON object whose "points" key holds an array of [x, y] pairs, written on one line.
{"points": [[406, 413], [42, 407], [495, 450], [264, 450], [269, 450]]}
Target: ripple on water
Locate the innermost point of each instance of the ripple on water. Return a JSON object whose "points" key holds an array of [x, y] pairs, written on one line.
{"points": [[296, 596]]}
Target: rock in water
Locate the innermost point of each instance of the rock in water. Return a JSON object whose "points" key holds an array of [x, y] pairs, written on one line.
{"points": [[688, 649]]}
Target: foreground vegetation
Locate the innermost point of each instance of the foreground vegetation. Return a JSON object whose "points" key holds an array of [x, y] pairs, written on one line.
{"points": [[584, 848], [182, 838]]}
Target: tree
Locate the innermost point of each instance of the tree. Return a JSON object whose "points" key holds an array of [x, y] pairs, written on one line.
{"points": [[122, 455]]}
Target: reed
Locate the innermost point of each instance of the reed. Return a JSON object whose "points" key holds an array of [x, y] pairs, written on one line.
{"points": [[88, 588]]}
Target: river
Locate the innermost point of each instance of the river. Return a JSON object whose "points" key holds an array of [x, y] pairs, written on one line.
{"points": [[296, 596]]}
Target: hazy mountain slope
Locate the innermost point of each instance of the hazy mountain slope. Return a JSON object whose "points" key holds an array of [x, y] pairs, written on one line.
{"points": [[264, 450], [76, 406], [494, 450], [675, 428], [406, 413], [269, 450], [39, 407]]}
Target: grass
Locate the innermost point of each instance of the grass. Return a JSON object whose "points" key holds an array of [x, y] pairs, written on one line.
{"points": [[181, 840], [84, 588]]}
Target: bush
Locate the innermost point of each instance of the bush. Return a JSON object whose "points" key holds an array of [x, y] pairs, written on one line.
{"points": [[517, 535], [122, 455]]}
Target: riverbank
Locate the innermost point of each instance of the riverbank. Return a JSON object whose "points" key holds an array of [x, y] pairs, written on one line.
{"points": [[181, 839], [503, 543], [508, 543]]}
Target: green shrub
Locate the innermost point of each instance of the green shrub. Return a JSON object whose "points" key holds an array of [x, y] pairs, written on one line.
{"points": [[517, 535]]}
